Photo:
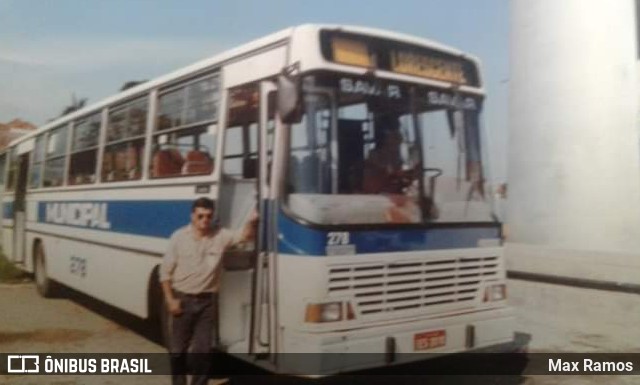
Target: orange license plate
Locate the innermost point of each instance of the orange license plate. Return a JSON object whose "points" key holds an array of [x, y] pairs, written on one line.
{"points": [[429, 340]]}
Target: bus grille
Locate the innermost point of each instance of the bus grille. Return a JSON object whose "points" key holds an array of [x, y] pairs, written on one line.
{"points": [[392, 287]]}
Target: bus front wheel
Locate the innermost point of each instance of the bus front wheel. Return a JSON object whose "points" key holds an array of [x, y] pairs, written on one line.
{"points": [[165, 325], [45, 285], [159, 317]]}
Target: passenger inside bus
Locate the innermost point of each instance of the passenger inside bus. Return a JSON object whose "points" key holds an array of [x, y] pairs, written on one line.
{"points": [[383, 171]]}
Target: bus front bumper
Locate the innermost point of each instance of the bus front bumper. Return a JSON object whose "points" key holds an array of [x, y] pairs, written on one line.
{"points": [[326, 352]]}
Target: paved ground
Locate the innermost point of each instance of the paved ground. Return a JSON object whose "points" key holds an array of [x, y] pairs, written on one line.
{"points": [[561, 319], [566, 319], [30, 323]]}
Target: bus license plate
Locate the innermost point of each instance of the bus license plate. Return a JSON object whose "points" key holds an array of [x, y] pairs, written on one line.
{"points": [[429, 340]]}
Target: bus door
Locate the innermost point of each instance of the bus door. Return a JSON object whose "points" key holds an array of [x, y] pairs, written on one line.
{"points": [[244, 319], [19, 208]]}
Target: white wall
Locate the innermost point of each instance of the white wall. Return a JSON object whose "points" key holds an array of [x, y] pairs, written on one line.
{"points": [[574, 155]]}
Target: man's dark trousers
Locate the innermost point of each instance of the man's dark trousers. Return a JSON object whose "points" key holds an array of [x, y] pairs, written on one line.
{"points": [[193, 329]]}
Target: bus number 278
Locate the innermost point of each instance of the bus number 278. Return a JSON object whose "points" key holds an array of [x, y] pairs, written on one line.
{"points": [[337, 238], [78, 266]]}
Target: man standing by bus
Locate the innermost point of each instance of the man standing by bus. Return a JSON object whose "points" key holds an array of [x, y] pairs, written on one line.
{"points": [[190, 277]]}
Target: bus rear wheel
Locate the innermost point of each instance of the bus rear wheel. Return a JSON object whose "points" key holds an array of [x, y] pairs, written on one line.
{"points": [[46, 286]]}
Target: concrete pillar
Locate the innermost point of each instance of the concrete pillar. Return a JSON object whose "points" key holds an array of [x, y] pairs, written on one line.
{"points": [[574, 146]]}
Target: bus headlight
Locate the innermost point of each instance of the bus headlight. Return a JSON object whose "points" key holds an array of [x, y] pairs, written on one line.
{"points": [[328, 312], [495, 293]]}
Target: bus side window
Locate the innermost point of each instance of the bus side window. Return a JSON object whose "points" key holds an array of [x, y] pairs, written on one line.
{"points": [[188, 152], [12, 173], [84, 150], [55, 156], [237, 162], [3, 167], [186, 114], [123, 154], [241, 136], [35, 176]]}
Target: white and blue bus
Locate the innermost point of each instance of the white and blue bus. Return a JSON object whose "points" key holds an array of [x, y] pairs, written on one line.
{"points": [[290, 123]]}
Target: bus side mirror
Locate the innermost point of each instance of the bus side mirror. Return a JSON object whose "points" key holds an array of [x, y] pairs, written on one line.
{"points": [[289, 106]]}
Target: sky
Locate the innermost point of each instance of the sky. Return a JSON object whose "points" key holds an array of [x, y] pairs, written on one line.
{"points": [[51, 50]]}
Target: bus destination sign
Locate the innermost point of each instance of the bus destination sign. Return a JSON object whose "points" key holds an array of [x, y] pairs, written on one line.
{"points": [[413, 63], [403, 58]]}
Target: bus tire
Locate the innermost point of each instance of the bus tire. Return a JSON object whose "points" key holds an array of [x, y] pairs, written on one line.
{"points": [[46, 287], [165, 325], [159, 317]]}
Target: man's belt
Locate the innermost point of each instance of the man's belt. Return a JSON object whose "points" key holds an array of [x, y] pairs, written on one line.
{"points": [[205, 295]]}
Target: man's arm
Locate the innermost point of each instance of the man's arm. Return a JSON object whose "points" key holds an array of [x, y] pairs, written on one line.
{"points": [[246, 234], [250, 228], [173, 304], [166, 271]]}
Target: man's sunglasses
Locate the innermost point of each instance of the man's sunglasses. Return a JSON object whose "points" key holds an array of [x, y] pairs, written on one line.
{"points": [[203, 216]]}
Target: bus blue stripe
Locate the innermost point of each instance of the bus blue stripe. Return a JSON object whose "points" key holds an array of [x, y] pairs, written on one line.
{"points": [[154, 218], [160, 218], [297, 239]]}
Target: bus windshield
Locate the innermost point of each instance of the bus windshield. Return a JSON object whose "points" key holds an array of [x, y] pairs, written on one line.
{"points": [[373, 152]]}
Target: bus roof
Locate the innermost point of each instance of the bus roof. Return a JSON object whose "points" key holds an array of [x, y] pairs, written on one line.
{"points": [[244, 49]]}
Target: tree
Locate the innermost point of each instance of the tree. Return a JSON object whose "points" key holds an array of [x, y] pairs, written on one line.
{"points": [[75, 105], [131, 84]]}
